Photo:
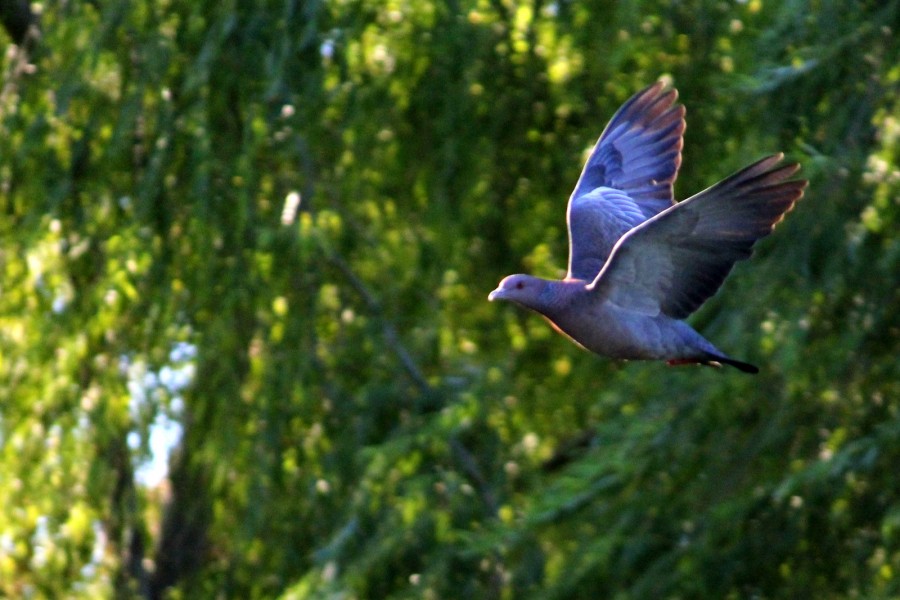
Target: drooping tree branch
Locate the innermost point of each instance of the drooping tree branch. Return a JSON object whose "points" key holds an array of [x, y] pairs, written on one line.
{"points": [[388, 331], [464, 458]]}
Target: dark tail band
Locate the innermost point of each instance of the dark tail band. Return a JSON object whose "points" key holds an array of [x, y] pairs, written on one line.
{"points": [[714, 360], [745, 367]]}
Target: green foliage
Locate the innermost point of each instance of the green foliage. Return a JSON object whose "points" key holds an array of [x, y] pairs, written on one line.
{"points": [[299, 209]]}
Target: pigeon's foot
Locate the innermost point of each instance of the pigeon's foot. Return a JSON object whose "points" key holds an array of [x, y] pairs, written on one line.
{"points": [[680, 362]]}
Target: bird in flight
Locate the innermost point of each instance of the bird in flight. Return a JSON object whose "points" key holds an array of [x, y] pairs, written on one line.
{"points": [[640, 263]]}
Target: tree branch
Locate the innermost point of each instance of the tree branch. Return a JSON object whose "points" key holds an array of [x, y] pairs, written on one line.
{"points": [[388, 331], [463, 457]]}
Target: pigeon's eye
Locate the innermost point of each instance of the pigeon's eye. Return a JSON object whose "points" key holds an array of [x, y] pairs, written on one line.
{"points": [[519, 285]]}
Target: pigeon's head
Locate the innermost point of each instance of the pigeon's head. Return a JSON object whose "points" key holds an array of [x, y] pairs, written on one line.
{"points": [[523, 289]]}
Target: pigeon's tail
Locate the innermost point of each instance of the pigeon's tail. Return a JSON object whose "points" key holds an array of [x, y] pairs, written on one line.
{"points": [[745, 367], [716, 360]]}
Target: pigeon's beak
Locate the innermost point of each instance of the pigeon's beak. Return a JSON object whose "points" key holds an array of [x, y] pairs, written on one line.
{"points": [[498, 293]]}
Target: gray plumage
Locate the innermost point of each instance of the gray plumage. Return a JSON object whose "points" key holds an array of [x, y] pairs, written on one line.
{"points": [[639, 263]]}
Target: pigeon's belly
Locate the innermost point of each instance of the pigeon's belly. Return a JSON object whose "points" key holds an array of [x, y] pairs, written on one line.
{"points": [[617, 333]]}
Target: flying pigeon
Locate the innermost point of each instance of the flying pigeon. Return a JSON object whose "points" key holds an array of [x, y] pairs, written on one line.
{"points": [[640, 263]]}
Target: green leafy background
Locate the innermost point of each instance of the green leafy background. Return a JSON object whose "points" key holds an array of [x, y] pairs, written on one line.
{"points": [[356, 420]]}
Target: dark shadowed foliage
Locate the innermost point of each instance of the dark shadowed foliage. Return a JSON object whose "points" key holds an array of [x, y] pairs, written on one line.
{"points": [[253, 242]]}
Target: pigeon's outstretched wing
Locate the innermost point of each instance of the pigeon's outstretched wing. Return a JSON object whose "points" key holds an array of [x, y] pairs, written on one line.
{"points": [[627, 178], [674, 262], [639, 152]]}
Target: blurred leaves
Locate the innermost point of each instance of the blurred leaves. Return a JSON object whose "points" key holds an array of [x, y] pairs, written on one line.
{"points": [[272, 228]]}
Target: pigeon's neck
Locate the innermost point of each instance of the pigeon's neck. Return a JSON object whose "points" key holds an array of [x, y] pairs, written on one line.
{"points": [[554, 295]]}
